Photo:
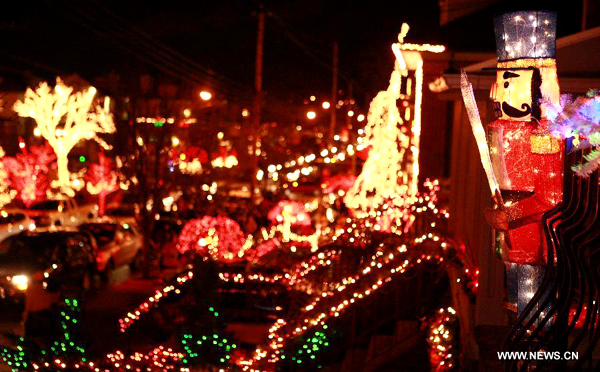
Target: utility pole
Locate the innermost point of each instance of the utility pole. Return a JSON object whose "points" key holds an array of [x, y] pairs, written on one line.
{"points": [[334, 90], [351, 129], [257, 105], [350, 106]]}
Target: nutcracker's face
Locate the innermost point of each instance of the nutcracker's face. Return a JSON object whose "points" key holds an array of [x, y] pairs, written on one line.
{"points": [[512, 94]]}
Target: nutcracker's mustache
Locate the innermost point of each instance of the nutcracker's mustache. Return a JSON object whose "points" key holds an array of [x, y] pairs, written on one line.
{"points": [[514, 112]]}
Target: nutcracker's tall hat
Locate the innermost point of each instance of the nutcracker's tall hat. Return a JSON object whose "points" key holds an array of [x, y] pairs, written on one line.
{"points": [[525, 35], [526, 40]]}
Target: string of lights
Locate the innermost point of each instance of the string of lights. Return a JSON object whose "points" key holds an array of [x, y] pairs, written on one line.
{"points": [[153, 301]]}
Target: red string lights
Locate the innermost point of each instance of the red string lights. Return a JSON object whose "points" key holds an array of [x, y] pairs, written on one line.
{"points": [[101, 180], [28, 172], [220, 237]]}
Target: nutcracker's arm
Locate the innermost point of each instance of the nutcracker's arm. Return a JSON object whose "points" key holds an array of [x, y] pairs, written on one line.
{"points": [[546, 194]]}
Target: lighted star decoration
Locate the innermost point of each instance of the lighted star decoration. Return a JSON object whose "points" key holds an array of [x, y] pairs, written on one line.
{"points": [[64, 118]]}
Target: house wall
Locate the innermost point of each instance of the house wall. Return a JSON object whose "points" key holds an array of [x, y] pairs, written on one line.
{"points": [[469, 196], [435, 127]]}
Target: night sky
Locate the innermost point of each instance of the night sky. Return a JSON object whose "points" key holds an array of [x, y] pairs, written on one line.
{"points": [[93, 38]]}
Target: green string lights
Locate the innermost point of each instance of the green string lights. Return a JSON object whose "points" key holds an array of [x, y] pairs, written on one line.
{"points": [[27, 353], [16, 359], [215, 348], [307, 353], [69, 319]]}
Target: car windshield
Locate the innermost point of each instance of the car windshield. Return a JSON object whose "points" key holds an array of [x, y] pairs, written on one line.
{"points": [[103, 232], [11, 218], [39, 247], [47, 205]]}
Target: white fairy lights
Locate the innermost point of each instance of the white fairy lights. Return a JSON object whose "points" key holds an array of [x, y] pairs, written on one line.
{"points": [[388, 172], [64, 118]]}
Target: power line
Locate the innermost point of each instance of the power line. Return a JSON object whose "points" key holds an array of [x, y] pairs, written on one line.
{"points": [[286, 25], [35, 64], [122, 37], [169, 51], [309, 51]]}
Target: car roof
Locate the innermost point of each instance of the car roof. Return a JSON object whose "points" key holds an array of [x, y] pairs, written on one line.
{"points": [[62, 230], [109, 220], [98, 220], [13, 210]]}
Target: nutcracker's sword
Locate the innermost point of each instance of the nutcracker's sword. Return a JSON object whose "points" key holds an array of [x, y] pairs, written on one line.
{"points": [[479, 133]]}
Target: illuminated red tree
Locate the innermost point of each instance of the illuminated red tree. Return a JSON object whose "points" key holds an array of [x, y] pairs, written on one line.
{"points": [[102, 180], [220, 237], [28, 173]]}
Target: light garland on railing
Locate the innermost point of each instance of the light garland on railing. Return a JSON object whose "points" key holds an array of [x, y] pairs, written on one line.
{"points": [[134, 315], [287, 277], [158, 359], [278, 336], [441, 339], [333, 300], [389, 263]]}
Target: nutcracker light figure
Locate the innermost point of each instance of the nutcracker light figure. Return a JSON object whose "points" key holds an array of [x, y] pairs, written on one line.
{"points": [[526, 161]]}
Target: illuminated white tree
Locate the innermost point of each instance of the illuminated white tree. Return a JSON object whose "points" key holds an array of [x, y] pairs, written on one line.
{"points": [[64, 118]]}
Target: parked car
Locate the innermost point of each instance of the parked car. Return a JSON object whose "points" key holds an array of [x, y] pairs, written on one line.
{"points": [[65, 257], [122, 212], [13, 221], [119, 244], [60, 212]]}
